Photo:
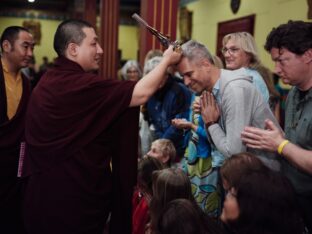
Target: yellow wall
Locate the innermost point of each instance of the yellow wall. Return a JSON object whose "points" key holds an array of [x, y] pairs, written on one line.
{"points": [[48, 28], [128, 41], [269, 13], [128, 38], [206, 16]]}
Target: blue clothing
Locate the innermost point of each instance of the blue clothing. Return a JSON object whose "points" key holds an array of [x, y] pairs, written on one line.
{"points": [[259, 83], [217, 157], [203, 147], [197, 164], [171, 101]]}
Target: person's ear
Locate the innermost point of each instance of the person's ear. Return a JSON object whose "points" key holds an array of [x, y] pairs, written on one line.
{"points": [[6, 45], [165, 158], [72, 49], [205, 63], [308, 56]]}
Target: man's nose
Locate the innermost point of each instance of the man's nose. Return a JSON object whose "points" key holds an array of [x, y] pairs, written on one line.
{"points": [[30, 51], [186, 80], [277, 68], [99, 49]]}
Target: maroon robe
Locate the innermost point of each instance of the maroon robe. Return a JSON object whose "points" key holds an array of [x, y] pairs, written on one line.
{"points": [[76, 123], [11, 136]]}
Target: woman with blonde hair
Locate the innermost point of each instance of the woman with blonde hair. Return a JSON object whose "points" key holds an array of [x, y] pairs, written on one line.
{"points": [[240, 50]]}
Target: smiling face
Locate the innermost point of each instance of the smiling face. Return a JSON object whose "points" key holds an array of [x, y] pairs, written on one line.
{"points": [[89, 51], [21, 51], [195, 75], [235, 57], [133, 74]]}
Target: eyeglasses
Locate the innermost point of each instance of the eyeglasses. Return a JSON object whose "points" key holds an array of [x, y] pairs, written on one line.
{"points": [[232, 50], [132, 71]]}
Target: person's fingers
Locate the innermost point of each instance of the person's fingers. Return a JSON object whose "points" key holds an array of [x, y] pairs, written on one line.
{"points": [[204, 99], [254, 146], [254, 130], [250, 135], [270, 125]]}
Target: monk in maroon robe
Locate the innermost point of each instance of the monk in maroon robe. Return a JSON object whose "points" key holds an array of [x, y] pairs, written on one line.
{"points": [[77, 122], [17, 49]]}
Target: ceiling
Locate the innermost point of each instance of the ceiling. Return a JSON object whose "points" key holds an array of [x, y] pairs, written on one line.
{"points": [[60, 5]]}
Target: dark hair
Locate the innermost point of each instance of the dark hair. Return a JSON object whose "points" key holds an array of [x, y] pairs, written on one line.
{"points": [[69, 31], [11, 34], [294, 36], [168, 184], [146, 167], [239, 166], [267, 205], [182, 216]]}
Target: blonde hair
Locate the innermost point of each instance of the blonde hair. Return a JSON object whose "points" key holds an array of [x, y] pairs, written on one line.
{"points": [[167, 148], [151, 54], [248, 44]]}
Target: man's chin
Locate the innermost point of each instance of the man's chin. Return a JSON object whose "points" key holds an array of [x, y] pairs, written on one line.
{"points": [[286, 81], [24, 64]]}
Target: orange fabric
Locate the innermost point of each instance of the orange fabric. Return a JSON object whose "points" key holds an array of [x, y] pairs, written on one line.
{"points": [[13, 89]]}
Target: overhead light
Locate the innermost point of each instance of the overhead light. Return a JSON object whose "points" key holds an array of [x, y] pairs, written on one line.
{"points": [[31, 0]]}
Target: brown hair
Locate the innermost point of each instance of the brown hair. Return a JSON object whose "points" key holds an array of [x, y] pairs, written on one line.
{"points": [[238, 166], [168, 184]]}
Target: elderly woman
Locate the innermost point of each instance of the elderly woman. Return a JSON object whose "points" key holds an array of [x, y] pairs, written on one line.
{"points": [[131, 70], [240, 50]]}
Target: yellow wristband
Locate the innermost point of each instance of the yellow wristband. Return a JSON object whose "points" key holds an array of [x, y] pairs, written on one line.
{"points": [[281, 146]]}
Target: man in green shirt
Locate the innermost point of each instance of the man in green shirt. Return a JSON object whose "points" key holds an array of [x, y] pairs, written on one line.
{"points": [[290, 46]]}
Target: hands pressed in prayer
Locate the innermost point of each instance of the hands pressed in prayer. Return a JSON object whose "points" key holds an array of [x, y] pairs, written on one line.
{"points": [[209, 108]]}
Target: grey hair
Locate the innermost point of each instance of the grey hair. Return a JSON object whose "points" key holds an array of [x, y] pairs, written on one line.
{"points": [[129, 64], [196, 51], [151, 64]]}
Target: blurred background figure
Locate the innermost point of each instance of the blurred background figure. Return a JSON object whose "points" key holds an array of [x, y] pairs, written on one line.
{"points": [[131, 70], [151, 54]]}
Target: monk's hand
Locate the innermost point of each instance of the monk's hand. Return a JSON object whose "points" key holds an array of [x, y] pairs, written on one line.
{"points": [[209, 109], [265, 139], [172, 55]]}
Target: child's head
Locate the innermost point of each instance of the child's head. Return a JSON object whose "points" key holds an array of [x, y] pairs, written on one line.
{"points": [[237, 166], [163, 150], [168, 184], [146, 167], [180, 216]]}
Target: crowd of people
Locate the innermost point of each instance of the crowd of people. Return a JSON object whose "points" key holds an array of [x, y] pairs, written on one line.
{"points": [[184, 146]]}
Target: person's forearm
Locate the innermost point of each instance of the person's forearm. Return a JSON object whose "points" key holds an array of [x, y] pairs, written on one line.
{"points": [[193, 127], [299, 157], [227, 144], [148, 85]]}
